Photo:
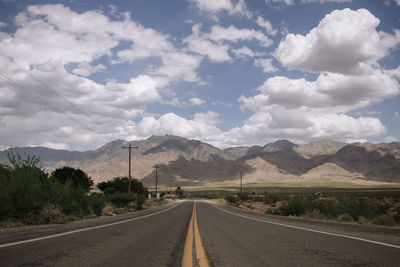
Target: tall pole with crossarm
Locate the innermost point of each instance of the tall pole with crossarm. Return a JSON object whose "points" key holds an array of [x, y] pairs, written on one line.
{"points": [[130, 157], [241, 182], [156, 167]]}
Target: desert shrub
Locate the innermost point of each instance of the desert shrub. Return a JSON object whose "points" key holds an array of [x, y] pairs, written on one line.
{"points": [[345, 209], [5, 202], [327, 207], [363, 220], [72, 200], [121, 199], [179, 192], [109, 191], [357, 206], [244, 196], [386, 220], [22, 191], [76, 177], [120, 184], [296, 206], [396, 214], [315, 214], [231, 199], [29, 195], [345, 218], [97, 202], [140, 200], [270, 198], [48, 215]]}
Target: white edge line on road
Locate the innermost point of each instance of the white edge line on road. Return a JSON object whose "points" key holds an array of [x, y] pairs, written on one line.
{"points": [[310, 230], [85, 229]]}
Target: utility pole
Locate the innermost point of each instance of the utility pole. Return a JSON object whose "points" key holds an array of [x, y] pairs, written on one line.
{"points": [[130, 176], [156, 166], [241, 181]]}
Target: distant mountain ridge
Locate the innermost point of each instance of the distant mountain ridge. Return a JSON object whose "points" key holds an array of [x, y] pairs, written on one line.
{"points": [[192, 162]]}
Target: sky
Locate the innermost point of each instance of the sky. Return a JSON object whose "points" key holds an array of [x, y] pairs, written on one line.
{"points": [[78, 74]]}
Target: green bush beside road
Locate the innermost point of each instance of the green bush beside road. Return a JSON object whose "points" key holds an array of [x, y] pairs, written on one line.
{"points": [[29, 195], [382, 208]]}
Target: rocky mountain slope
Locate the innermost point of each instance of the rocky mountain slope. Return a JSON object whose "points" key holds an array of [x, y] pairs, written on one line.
{"points": [[190, 162]]}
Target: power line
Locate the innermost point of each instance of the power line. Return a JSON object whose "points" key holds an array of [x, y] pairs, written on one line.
{"points": [[40, 81], [39, 100], [20, 88]]}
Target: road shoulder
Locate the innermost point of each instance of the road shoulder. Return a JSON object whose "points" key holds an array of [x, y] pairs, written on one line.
{"points": [[390, 235]]}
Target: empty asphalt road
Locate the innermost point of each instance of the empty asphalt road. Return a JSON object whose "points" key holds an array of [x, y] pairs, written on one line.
{"points": [[199, 232]]}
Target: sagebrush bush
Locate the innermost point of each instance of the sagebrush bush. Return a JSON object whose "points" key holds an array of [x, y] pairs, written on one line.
{"points": [[75, 177], [22, 188], [73, 201], [386, 220], [97, 202], [345, 218], [121, 199], [121, 184], [341, 209], [29, 195], [48, 215], [140, 200], [270, 198], [356, 207], [231, 199], [296, 206], [109, 191]]}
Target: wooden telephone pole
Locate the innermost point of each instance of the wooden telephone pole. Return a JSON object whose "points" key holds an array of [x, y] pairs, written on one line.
{"points": [[130, 176], [241, 181], [156, 166]]}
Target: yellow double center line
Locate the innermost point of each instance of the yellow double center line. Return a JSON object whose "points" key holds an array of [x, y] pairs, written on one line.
{"points": [[201, 258]]}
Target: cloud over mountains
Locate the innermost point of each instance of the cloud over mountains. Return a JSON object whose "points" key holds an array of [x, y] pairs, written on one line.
{"points": [[61, 82]]}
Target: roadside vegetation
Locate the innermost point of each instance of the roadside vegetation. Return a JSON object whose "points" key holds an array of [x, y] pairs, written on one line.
{"points": [[116, 194], [30, 195], [381, 208]]}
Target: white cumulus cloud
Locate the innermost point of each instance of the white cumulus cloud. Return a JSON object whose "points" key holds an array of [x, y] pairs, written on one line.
{"points": [[85, 69], [224, 5], [266, 64], [199, 43], [266, 24], [195, 101], [173, 124], [234, 34], [344, 49], [325, 1], [345, 41], [209, 117], [286, 2], [390, 139], [244, 52]]}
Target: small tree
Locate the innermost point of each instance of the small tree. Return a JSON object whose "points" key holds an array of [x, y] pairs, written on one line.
{"points": [[179, 192], [76, 176], [22, 187], [97, 203], [120, 184]]}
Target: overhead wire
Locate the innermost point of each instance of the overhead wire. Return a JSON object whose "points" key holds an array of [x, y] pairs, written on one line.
{"points": [[40, 100], [40, 81]]}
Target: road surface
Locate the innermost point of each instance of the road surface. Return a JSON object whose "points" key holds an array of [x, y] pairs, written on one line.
{"points": [[199, 233]]}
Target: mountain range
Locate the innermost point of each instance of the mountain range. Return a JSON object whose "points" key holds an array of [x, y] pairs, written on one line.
{"points": [[190, 162]]}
